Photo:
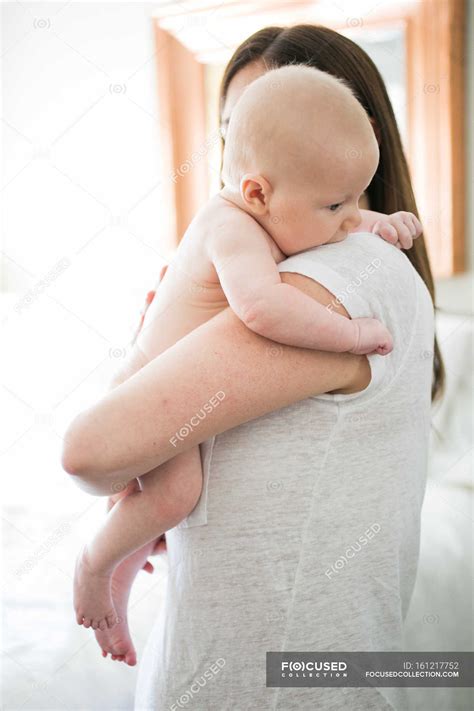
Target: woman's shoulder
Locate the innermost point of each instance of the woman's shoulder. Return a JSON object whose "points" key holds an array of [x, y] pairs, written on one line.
{"points": [[359, 245], [364, 271], [371, 277]]}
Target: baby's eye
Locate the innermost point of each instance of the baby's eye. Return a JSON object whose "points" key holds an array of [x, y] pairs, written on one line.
{"points": [[335, 207]]}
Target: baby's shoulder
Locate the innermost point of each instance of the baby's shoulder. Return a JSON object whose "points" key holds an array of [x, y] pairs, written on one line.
{"points": [[216, 216], [222, 227], [222, 220], [225, 209]]}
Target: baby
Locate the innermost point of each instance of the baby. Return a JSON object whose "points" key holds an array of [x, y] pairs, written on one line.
{"points": [[299, 153]]}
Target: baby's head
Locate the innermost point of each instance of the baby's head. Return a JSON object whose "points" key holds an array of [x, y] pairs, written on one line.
{"points": [[299, 152]]}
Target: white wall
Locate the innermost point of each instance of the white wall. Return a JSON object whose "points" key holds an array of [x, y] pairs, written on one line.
{"points": [[82, 211], [81, 162]]}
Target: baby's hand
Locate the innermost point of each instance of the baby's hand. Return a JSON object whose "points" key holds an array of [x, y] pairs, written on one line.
{"points": [[371, 336], [400, 229]]}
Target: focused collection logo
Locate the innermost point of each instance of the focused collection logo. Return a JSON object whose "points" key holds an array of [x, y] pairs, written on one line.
{"points": [[313, 668]]}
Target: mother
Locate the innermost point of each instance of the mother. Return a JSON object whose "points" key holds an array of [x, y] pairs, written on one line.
{"points": [[306, 534]]}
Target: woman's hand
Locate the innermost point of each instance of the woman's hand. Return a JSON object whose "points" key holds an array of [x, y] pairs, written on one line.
{"points": [[149, 298], [160, 547]]}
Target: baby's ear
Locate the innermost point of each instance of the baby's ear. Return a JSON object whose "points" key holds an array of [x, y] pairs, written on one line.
{"points": [[255, 191]]}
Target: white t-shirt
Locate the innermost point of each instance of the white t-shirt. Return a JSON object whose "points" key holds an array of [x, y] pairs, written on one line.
{"points": [[306, 535]]}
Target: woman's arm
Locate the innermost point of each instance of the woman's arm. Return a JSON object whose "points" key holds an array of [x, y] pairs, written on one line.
{"points": [[221, 369]]}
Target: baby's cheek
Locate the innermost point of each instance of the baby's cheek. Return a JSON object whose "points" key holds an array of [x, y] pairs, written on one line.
{"points": [[297, 240], [292, 227]]}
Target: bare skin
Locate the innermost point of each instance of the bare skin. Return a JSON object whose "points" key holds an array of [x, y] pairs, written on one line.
{"points": [[117, 641], [134, 521], [93, 587]]}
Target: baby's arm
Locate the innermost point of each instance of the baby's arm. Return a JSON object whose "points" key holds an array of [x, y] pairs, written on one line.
{"points": [[242, 257], [399, 228]]}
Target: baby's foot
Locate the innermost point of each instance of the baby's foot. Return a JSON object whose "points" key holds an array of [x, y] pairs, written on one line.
{"points": [[371, 337], [117, 641], [92, 596]]}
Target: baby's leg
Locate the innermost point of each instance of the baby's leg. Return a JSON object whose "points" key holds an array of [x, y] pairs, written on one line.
{"points": [[118, 641], [169, 493]]}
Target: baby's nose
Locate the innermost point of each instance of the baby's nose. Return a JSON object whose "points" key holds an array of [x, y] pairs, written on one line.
{"points": [[350, 223]]}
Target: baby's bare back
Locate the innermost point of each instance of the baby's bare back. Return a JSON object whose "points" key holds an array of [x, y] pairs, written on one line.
{"points": [[190, 292]]}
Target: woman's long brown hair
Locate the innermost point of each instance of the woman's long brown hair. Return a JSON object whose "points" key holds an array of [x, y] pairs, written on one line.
{"points": [[327, 50]]}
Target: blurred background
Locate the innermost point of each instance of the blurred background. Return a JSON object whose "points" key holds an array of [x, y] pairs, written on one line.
{"points": [[109, 130]]}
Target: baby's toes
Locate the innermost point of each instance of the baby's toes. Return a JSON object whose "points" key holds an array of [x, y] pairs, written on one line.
{"points": [[111, 620], [102, 625], [87, 622], [131, 659]]}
